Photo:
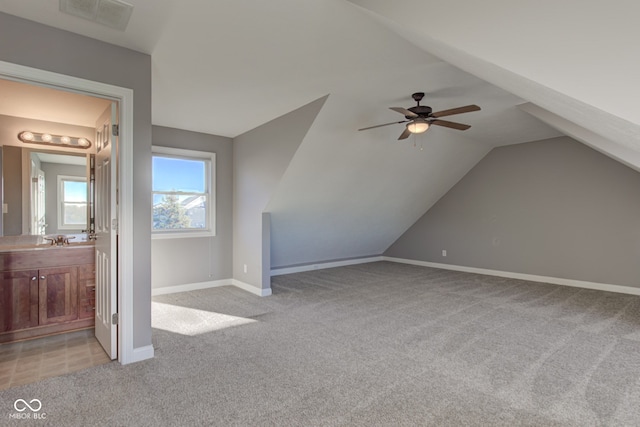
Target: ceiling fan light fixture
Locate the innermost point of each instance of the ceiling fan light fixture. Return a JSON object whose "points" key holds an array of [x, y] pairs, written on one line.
{"points": [[418, 126]]}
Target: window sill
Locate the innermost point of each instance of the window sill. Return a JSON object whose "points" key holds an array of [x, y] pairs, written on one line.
{"points": [[181, 234]]}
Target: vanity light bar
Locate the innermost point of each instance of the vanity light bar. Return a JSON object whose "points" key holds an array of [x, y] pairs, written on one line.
{"points": [[54, 140]]}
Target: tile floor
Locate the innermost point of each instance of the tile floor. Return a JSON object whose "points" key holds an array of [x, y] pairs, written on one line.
{"points": [[29, 361]]}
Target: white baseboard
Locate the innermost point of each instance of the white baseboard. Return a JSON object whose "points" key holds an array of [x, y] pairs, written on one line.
{"points": [[522, 276], [141, 353], [212, 284], [250, 288], [190, 287], [322, 265]]}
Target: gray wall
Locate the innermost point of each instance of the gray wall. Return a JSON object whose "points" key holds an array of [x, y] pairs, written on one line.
{"points": [[260, 158], [51, 172], [198, 259], [34, 45], [12, 190], [552, 208]]}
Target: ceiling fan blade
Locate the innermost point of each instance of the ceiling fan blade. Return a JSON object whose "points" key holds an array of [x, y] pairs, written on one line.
{"points": [[452, 125], [452, 111], [405, 134], [404, 112], [386, 124]]}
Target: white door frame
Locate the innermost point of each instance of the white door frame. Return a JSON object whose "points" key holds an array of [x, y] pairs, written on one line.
{"points": [[10, 71]]}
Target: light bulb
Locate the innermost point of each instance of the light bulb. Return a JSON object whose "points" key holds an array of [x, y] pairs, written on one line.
{"points": [[46, 137], [27, 136], [65, 139]]}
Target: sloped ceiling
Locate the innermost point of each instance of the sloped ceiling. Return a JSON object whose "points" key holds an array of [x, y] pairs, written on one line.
{"points": [[227, 67], [349, 194], [575, 59]]}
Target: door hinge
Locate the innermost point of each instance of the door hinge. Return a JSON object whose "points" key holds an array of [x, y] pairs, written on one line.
{"points": [[114, 319], [114, 224], [115, 130]]}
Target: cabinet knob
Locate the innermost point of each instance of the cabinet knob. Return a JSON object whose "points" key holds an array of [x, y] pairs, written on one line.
{"points": [[43, 277], [34, 278]]}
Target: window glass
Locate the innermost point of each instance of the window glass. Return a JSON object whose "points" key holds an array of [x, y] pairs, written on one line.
{"points": [[73, 203], [182, 200], [179, 175]]}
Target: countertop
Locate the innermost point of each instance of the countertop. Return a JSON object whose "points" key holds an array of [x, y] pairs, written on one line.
{"points": [[25, 242]]}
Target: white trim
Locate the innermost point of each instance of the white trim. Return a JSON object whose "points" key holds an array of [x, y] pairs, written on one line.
{"points": [[250, 288], [125, 231], [322, 265], [127, 353], [212, 284], [141, 353], [182, 152], [522, 276], [206, 156], [159, 235], [190, 287]]}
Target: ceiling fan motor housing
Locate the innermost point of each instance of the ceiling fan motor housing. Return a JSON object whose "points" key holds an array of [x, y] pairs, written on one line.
{"points": [[421, 110]]}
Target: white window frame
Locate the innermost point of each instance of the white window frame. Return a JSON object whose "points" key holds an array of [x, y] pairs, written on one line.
{"points": [[60, 201], [210, 159]]}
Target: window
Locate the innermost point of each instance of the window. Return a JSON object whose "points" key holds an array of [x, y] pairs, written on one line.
{"points": [[183, 196], [72, 202]]}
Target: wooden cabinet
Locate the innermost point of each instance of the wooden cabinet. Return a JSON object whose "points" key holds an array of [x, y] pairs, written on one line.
{"points": [[86, 291], [58, 292], [18, 300], [51, 299]]}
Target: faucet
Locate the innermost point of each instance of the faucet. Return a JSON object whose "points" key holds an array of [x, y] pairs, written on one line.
{"points": [[59, 240]]}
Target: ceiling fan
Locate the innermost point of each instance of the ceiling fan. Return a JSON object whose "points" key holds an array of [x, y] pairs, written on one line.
{"points": [[421, 117]]}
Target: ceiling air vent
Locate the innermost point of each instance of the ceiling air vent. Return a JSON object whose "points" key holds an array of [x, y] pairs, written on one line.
{"points": [[112, 13]]}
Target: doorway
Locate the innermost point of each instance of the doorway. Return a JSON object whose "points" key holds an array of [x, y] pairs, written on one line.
{"points": [[56, 182], [121, 284]]}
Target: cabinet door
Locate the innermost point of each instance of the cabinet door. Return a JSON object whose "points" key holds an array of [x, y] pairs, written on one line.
{"points": [[18, 300], [58, 294], [86, 291]]}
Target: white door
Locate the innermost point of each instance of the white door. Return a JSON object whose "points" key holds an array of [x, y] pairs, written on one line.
{"points": [[106, 224]]}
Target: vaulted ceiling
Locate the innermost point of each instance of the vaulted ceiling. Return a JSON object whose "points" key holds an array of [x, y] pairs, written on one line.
{"points": [[538, 69]]}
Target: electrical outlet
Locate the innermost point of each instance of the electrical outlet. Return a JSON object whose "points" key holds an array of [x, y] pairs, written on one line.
{"points": [[245, 268], [444, 252]]}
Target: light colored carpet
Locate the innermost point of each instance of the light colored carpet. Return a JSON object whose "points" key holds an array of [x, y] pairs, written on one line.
{"points": [[369, 345]]}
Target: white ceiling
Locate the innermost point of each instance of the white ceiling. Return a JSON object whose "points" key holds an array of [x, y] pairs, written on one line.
{"points": [[43, 103], [62, 159], [227, 67], [576, 61]]}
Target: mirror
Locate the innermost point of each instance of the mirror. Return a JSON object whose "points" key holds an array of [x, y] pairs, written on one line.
{"points": [[45, 192]]}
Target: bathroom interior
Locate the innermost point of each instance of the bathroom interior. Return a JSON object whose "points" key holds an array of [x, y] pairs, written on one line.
{"points": [[48, 142]]}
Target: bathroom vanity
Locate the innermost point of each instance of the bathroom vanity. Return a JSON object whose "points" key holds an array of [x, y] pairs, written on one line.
{"points": [[45, 288]]}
